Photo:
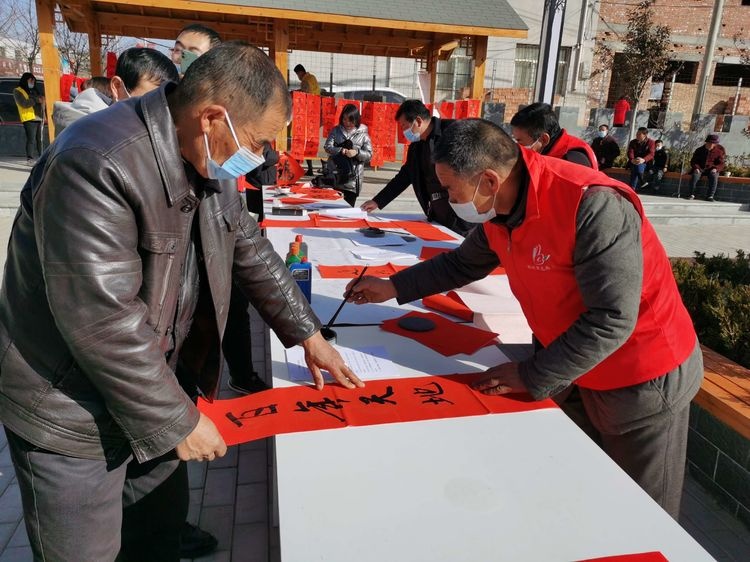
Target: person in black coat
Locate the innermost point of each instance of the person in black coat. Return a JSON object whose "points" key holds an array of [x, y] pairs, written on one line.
{"points": [[605, 147]]}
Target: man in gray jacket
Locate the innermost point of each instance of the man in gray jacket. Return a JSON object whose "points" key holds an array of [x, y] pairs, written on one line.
{"points": [[595, 285], [120, 264]]}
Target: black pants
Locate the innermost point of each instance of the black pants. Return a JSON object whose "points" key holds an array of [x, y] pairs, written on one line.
{"points": [[349, 196], [91, 510], [33, 138], [237, 345]]}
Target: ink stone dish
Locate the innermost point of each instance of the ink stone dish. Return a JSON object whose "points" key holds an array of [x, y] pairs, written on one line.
{"points": [[416, 324]]}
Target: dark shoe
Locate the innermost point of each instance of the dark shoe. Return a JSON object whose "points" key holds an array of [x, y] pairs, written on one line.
{"points": [[195, 542], [644, 185], [247, 384], [710, 199]]}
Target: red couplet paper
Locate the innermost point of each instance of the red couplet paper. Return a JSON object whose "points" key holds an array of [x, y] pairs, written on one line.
{"points": [[296, 200], [289, 170], [303, 408], [638, 557], [425, 231], [353, 271], [317, 192], [333, 222], [449, 303], [448, 337]]}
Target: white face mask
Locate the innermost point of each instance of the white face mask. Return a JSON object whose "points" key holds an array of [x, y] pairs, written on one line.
{"points": [[602, 134], [468, 211], [411, 136], [238, 164]]}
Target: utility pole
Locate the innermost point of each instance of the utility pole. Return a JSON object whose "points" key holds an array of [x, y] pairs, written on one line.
{"points": [[549, 50], [708, 56]]}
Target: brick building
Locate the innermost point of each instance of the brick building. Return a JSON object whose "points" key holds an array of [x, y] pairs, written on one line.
{"points": [[689, 21]]}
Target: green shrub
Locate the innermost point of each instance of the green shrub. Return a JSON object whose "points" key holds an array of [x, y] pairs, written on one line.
{"points": [[716, 292]]}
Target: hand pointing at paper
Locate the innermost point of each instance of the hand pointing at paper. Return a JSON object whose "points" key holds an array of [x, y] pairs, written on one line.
{"points": [[320, 355], [370, 289]]}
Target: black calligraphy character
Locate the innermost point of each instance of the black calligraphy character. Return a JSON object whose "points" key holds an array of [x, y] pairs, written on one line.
{"points": [[251, 414], [432, 395], [375, 399], [324, 406]]}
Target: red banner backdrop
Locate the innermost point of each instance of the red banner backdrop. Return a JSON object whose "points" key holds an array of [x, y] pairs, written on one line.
{"points": [[467, 109], [447, 109], [329, 115], [380, 118], [111, 64], [305, 125]]}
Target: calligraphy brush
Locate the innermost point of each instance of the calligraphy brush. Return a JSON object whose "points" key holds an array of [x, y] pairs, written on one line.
{"points": [[327, 328]]}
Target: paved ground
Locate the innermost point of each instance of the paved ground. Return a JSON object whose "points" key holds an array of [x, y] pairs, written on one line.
{"points": [[231, 496]]}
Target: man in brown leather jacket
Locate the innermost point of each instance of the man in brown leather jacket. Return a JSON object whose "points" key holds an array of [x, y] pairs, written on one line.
{"points": [[119, 267]]}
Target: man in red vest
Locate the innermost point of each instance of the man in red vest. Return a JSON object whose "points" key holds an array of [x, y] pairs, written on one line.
{"points": [[622, 106], [536, 127], [595, 285]]}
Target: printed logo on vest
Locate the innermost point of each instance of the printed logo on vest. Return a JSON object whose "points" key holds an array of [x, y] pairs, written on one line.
{"points": [[539, 259]]}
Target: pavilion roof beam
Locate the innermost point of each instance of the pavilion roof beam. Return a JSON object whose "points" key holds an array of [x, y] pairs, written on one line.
{"points": [[278, 13]]}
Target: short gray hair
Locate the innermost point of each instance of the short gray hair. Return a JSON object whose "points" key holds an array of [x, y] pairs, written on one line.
{"points": [[471, 146]]}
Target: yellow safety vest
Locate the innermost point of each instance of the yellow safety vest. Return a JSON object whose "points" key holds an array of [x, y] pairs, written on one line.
{"points": [[25, 113]]}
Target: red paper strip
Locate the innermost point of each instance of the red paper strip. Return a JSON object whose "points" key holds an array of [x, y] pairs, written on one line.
{"points": [[353, 271], [325, 194], [303, 408], [638, 557], [448, 337], [449, 303], [332, 222], [425, 231], [296, 200]]}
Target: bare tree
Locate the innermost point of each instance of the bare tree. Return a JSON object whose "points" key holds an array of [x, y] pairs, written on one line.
{"points": [[73, 47], [7, 19], [646, 55], [23, 32], [742, 45]]}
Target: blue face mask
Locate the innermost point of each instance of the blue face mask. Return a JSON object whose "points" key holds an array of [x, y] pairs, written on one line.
{"points": [[411, 136], [237, 165], [602, 134]]}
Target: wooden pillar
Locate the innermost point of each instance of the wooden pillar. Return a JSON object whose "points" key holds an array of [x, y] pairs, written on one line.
{"points": [[480, 59], [95, 49], [432, 61], [45, 13], [278, 52]]}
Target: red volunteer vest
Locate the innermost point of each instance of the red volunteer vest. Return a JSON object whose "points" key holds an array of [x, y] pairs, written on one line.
{"points": [[538, 259], [565, 143]]}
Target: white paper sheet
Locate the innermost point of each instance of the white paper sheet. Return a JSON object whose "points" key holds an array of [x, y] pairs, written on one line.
{"points": [[378, 254], [344, 212], [368, 363], [387, 240]]}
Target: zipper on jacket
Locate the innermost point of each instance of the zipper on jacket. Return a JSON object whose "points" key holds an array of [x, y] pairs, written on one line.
{"points": [[165, 288]]}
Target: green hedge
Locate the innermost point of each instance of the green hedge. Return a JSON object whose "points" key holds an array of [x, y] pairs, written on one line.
{"points": [[716, 291]]}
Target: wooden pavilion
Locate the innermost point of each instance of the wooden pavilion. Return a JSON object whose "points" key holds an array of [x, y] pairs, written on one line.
{"points": [[427, 31]]}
